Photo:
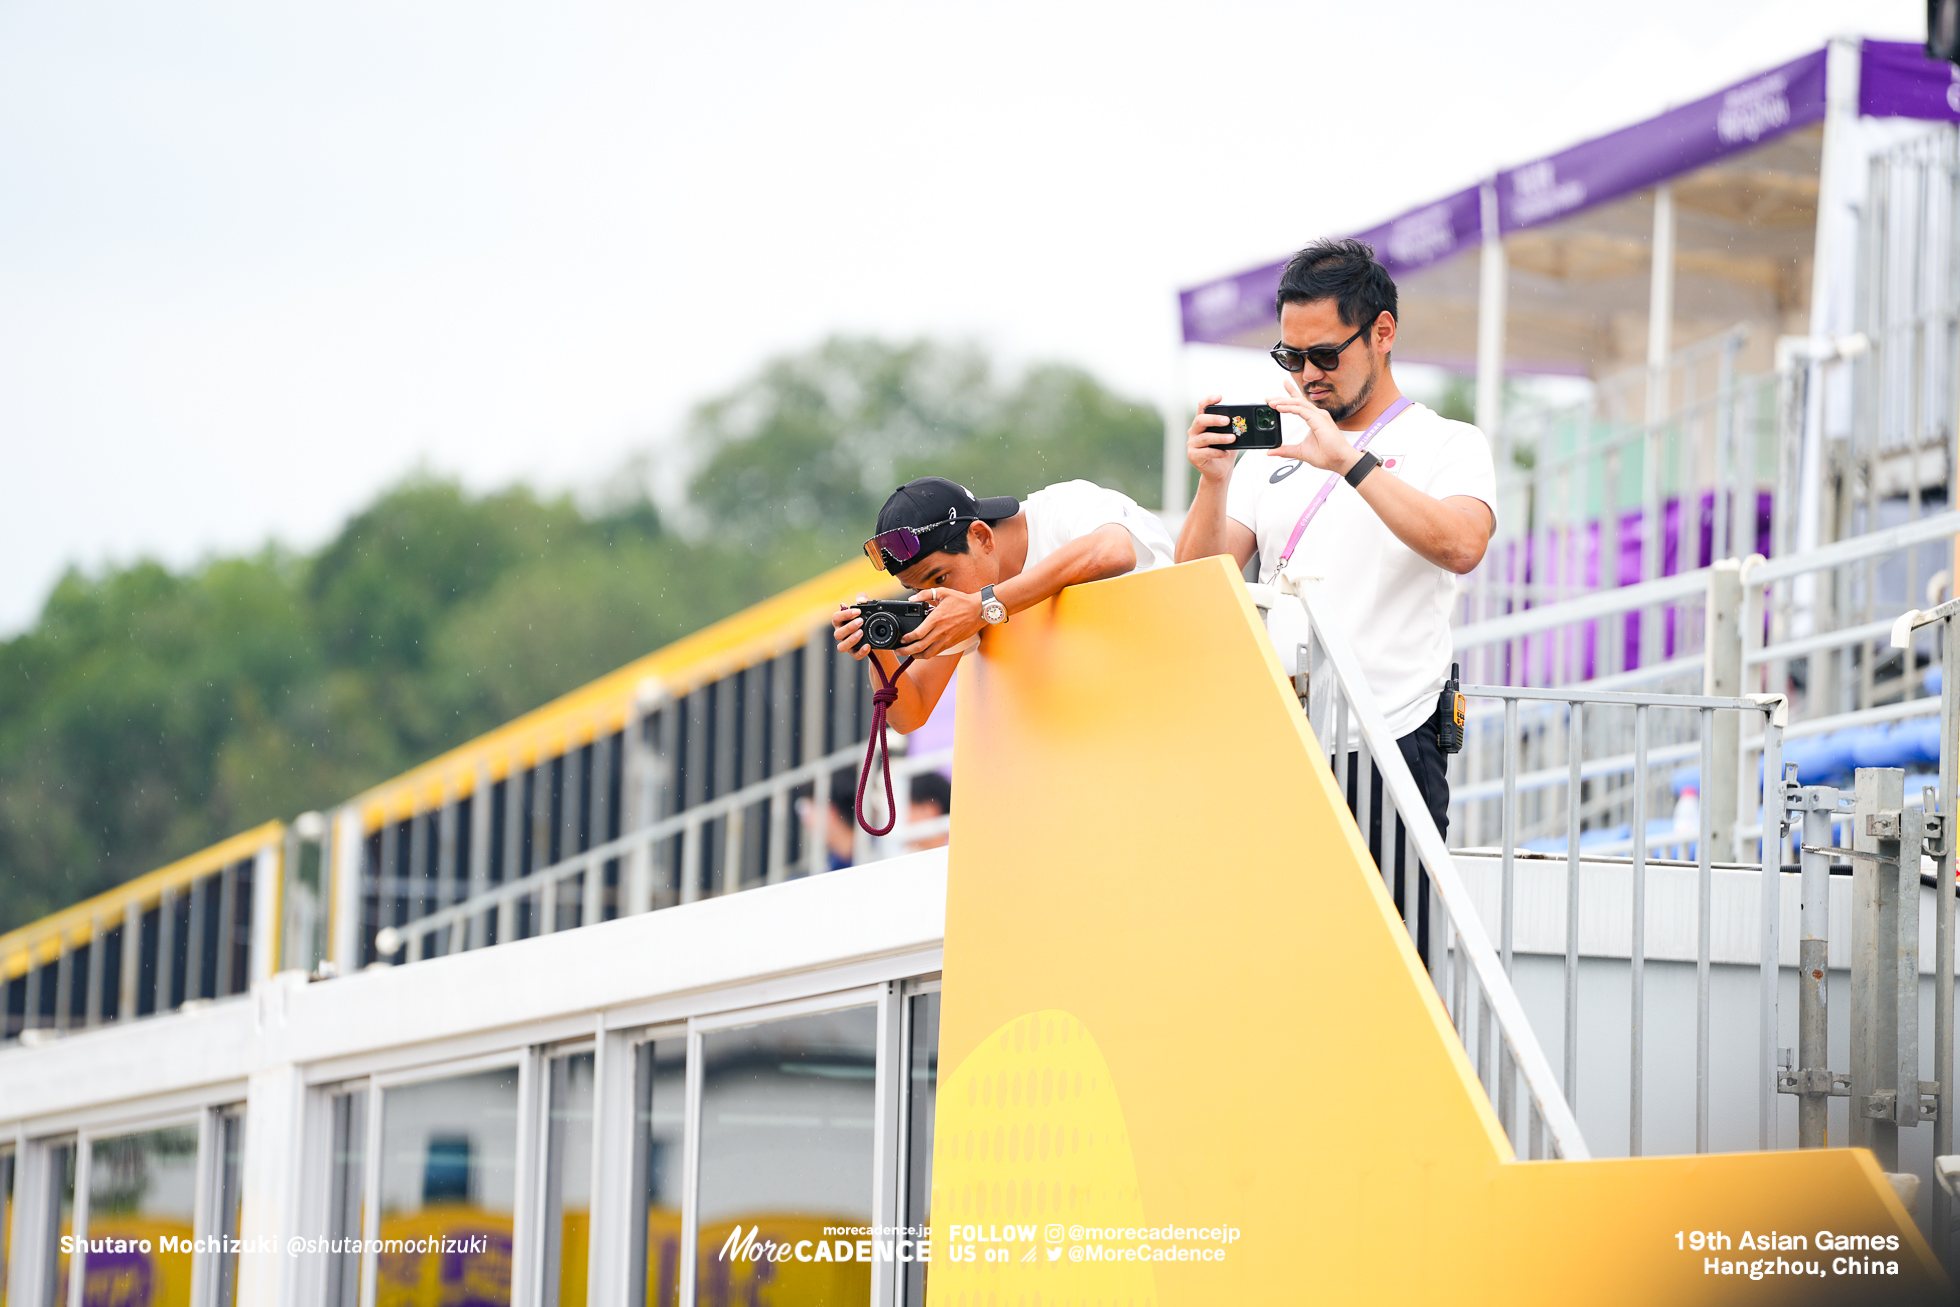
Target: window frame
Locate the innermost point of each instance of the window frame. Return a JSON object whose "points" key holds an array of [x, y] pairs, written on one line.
{"points": [[614, 1035], [207, 1195]]}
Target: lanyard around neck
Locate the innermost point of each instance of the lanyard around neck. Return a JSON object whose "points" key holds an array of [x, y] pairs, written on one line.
{"points": [[1389, 414]]}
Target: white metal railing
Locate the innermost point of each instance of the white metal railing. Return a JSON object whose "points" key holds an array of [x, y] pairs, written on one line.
{"points": [[1940, 622], [1461, 960], [492, 914], [1757, 617], [1632, 801], [1678, 433]]}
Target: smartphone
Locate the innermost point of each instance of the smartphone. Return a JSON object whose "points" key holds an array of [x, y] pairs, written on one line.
{"points": [[1254, 426]]}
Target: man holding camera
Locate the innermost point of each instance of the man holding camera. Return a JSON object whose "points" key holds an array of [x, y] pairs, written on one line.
{"points": [[1384, 496], [977, 562]]}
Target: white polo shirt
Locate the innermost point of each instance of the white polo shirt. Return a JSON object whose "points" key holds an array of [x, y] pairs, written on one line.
{"points": [[1393, 604], [1069, 510]]}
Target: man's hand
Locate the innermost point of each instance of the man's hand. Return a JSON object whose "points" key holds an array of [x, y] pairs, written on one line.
{"points": [[848, 627], [1325, 445], [955, 619], [1209, 430]]}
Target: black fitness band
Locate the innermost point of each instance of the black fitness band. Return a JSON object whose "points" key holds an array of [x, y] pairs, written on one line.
{"points": [[1362, 467]]}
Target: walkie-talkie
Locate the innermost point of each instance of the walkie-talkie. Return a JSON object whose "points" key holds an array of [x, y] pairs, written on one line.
{"points": [[1449, 715]]}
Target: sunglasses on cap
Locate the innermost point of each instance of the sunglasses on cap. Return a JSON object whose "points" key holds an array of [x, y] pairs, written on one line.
{"points": [[1324, 357], [901, 543]]}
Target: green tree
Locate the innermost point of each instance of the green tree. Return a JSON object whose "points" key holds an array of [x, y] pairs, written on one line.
{"points": [[805, 453], [150, 712]]}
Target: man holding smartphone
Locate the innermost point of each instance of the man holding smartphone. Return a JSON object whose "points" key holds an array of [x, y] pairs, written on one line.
{"points": [[1386, 496]]}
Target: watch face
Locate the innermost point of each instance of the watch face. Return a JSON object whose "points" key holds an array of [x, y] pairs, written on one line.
{"points": [[993, 610]]}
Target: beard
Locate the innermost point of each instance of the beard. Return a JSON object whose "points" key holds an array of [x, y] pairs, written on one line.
{"points": [[1343, 411]]}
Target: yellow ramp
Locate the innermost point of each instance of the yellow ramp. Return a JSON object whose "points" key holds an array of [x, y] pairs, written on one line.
{"points": [[1188, 1053]]}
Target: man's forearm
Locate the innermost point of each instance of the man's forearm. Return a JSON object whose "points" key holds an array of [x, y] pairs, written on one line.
{"points": [[1441, 532], [1108, 551], [1204, 534], [919, 688]]}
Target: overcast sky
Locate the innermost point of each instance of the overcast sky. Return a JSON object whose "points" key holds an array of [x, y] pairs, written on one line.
{"points": [[257, 261]]}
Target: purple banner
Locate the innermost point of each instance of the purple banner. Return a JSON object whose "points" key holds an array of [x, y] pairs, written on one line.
{"points": [[1235, 310], [1727, 122], [1423, 236], [1220, 312], [1223, 312], [1897, 80]]}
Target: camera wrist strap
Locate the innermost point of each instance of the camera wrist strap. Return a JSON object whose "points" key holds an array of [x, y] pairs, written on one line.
{"points": [[1389, 414], [881, 700]]}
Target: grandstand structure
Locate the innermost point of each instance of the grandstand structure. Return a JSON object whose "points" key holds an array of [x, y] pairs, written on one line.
{"points": [[582, 998]]}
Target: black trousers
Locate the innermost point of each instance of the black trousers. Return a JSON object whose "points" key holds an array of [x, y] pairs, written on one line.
{"points": [[1431, 770]]}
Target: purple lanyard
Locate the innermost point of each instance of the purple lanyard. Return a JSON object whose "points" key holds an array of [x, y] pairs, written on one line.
{"points": [[1389, 414]]}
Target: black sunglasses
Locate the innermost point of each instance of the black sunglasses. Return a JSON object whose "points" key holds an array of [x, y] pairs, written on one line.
{"points": [[1324, 357]]}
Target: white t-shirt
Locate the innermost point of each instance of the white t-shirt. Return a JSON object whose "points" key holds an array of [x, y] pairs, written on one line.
{"points": [[1393, 605], [1069, 510]]}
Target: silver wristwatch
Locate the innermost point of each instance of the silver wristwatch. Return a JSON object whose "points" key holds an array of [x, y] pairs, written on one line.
{"points": [[992, 610]]}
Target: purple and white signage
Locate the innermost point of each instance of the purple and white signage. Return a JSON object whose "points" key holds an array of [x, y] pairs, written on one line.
{"points": [[1897, 80], [1423, 236], [1222, 312], [1745, 115]]}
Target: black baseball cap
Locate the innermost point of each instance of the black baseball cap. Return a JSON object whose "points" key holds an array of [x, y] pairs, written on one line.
{"points": [[934, 511]]}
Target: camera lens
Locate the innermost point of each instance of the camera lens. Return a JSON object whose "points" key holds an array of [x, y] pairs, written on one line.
{"points": [[881, 631], [1266, 419]]}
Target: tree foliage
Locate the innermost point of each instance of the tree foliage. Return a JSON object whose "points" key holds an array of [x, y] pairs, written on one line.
{"points": [[151, 712], [815, 445]]}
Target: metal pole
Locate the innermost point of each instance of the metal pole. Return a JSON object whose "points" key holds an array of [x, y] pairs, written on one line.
{"points": [[1705, 878], [64, 981], [1813, 963], [1771, 850], [472, 927], [1574, 723], [1874, 939], [132, 953], [1943, 928], [194, 947], [1509, 826], [1491, 291], [1720, 545], [1660, 326], [1721, 786], [166, 951], [92, 989], [1639, 978]]}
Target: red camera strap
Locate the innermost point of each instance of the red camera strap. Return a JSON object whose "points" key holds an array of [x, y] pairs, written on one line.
{"points": [[881, 700]]}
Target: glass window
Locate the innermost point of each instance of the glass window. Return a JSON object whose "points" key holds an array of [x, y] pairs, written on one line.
{"points": [[6, 1218], [231, 1198], [659, 1115], [346, 1192], [921, 1100], [61, 1201], [449, 1169], [141, 1187], [568, 1180], [786, 1151]]}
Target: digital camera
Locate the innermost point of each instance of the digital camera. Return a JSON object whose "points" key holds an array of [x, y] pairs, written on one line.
{"points": [[887, 621]]}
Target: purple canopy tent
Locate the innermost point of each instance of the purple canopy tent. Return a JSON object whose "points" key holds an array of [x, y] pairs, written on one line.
{"points": [[1895, 79], [1596, 260]]}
